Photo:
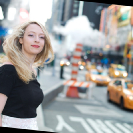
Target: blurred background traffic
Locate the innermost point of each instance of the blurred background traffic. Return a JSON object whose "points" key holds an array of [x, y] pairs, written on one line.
{"points": [[104, 30]]}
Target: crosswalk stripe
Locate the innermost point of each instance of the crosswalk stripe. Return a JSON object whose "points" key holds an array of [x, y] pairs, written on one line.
{"points": [[108, 123], [62, 124], [82, 121], [122, 128], [128, 126], [103, 126], [94, 125]]}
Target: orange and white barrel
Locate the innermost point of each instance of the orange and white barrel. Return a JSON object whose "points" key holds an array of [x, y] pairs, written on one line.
{"points": [[75, 59], [72, 91]]}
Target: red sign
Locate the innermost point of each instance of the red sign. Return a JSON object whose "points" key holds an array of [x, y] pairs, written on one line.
{"points": [[24, 15]]}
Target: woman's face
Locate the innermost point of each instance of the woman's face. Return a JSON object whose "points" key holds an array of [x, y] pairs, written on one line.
{"points": [[33, 40]]}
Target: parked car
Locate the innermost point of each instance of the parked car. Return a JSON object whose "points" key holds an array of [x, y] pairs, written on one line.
{"points": [[120, 91]]}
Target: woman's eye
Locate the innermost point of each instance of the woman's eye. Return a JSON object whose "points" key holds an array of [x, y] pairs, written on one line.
{"points": [[30, 35], [42, 37]]}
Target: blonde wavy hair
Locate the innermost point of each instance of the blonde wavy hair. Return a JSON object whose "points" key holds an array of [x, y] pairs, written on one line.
{"points": [[13, 51]]}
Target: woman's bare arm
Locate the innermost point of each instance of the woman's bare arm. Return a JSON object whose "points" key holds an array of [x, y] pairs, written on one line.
{"points": [[3, 99]]}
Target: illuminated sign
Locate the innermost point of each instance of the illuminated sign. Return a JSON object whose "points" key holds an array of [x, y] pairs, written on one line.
{"points": [[24, 15], [124, 15]]}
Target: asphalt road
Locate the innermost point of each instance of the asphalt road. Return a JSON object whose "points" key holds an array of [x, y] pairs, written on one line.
{"points": [[66, 115], [95, 115]]}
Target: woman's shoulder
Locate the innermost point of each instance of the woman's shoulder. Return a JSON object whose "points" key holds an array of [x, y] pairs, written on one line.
{"points": [[7, 69]]}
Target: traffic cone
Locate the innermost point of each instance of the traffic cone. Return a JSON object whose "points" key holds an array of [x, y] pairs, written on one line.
{"points": [[72, 90]]}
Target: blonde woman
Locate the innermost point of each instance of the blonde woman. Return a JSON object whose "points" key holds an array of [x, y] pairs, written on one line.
{"points": [[20, 93]]}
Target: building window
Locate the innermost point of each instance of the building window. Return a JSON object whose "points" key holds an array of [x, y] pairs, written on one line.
{"points": [[76, 1], [75, 5], [75, 11]]}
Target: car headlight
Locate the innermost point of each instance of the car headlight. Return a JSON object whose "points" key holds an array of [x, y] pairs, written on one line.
{"points": [[130, 97], [116, 73], [68, 63], [61, 63], [81, 67], [93, 78], [124, 74], [108, 79]]}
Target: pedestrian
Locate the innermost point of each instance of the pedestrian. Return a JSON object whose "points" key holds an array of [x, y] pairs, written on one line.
{"points": [[38, 71], [20, 94]]}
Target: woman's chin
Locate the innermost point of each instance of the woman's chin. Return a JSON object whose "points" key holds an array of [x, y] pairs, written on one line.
{"points": [[35, 52]]}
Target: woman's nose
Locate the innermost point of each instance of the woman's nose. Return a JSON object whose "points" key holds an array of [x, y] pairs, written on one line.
{"points": [[37, 39]]}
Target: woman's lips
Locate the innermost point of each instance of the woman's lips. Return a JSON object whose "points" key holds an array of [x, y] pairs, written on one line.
{"points": [[35, 46]]}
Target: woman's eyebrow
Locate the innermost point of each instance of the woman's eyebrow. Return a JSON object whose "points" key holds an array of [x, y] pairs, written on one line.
{"points": [[35, 32]]}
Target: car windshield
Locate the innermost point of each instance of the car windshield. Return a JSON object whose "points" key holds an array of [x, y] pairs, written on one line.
{"points": [[94, 72], [121, 68], [103, 73], [128, 85]]}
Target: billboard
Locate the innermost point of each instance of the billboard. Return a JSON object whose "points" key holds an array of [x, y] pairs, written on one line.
{"points": [[124, 15]]}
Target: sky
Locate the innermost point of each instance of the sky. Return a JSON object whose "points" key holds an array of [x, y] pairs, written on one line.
{"points": [[40, 10]]}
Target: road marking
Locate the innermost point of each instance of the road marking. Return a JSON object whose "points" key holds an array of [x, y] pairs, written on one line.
{"points": [[103, 126], [62, 123], [95, 110], [77, 100], [109, 124], [128, 126], [122, 128], [83, 123], [94, 125]]}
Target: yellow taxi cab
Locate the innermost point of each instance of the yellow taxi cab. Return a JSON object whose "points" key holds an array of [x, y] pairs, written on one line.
{"points": [[100, 78], [117, 71], [90, 66], [120, 91], [99, 68]]}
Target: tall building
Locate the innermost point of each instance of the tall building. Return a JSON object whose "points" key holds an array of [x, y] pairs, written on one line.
{"points": [[63, 10], [93, 11], [71, 9], [11, 14]]}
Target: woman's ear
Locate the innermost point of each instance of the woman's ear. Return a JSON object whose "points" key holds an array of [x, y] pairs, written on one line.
{"points": [[21, 40]]}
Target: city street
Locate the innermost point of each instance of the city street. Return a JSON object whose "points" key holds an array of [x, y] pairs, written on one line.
{"points": [[95, 115], [84, 44]]}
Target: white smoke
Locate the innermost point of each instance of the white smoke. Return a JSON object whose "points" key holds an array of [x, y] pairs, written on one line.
{"points": [[79, 30]]}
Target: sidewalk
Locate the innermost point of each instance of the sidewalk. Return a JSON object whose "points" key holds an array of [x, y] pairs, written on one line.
{"points": [[51, 86]]}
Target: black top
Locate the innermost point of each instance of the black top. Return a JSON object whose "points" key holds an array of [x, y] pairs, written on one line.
{"points": [[23, 99]]}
